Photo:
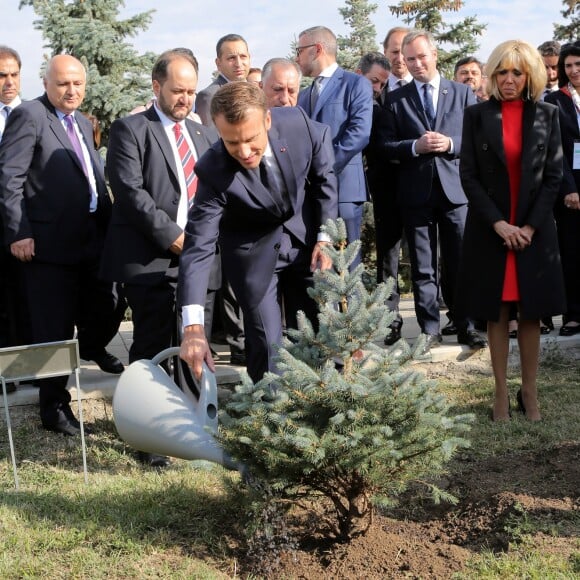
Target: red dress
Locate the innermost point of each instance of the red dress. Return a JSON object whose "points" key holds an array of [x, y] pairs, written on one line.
{"points": [[511, 115]]}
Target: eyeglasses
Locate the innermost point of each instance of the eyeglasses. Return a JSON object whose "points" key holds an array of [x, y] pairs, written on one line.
{"points": [[299, 49]]}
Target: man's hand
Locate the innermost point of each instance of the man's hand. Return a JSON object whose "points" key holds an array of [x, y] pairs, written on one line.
{"points": [[177, 246], [432, 142], [23, 250], [320, 261], [194, 349], [572, 201], [514, 237]]}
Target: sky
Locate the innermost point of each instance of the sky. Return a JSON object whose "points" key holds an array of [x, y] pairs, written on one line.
{"points": [[269, 27]]}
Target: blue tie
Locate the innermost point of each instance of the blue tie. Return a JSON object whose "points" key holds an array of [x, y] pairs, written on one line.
{"points": [[428, 104]]}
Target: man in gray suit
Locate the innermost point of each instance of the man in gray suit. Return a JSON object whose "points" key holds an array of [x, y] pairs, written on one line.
{"points": [[150, 162], [233, 64]]}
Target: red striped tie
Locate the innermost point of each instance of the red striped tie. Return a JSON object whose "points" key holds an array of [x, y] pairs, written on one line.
{"points": [[188, 162]]}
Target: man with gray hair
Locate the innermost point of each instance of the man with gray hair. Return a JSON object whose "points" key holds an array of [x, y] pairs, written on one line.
{"points": [[55, 207], [550, 51], [281, 82]]}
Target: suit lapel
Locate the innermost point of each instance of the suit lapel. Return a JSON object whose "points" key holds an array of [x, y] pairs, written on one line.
{"points": [[280, 151], [492, 120], [417, 102], [160, 136], [329, 88]]}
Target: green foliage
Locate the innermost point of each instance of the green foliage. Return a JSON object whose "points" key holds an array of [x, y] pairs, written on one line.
{"points": [[454, 41], [570, 31], [118, 77], [344, 418], [362, 38]]}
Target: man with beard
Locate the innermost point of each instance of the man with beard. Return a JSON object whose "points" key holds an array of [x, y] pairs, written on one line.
{"points": [[150, 160]]}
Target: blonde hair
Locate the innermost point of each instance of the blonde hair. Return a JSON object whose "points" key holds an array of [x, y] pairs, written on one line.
{"points": [[522, 56]]}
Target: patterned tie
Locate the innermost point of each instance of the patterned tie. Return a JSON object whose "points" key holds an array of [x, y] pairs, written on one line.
{"points": [[428, 104], [188, 163], [315, 92], [74, 139]]}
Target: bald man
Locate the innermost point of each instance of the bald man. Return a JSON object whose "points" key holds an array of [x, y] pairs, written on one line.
{"points": [[55, 208]]}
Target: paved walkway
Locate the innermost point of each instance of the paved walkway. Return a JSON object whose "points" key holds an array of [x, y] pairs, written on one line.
{"points": [[97, 384]]}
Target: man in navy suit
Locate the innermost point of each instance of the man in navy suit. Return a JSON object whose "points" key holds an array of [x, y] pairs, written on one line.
{"points": [[150, 187], [343, 101], [421, 127], [264, 191], [56, 208]]}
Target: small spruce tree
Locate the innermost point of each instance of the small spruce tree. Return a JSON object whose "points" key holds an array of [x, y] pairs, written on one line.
{"points": [[362, 38], [344, 418]]}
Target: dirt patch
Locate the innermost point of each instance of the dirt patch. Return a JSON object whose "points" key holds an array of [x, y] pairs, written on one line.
{"points": [[422, 540]]}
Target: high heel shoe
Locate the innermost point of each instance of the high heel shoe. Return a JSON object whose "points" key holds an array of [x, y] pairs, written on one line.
{"points": [[520, 400], [522, 408]]}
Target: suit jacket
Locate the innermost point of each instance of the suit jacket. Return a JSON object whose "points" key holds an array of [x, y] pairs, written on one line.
{"points": [[233, 206], [203, 100], [44, 193], [485, 178], [145, 185], [570, 133], [346, 106], [403, 121]]}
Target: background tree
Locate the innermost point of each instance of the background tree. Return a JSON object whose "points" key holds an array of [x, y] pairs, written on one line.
{"points": [[345, 419], [118, 77], [569, 32], [362, 38], [454, 41]]}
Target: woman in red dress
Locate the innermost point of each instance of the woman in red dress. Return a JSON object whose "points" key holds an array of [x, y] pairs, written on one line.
{"points": [[511, 168]]}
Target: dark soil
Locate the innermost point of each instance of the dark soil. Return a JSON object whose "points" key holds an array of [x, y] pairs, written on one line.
{"points": [[422, 540]]}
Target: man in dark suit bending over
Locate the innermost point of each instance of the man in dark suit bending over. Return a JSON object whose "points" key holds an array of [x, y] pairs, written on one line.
{"points": [[264, 191]]}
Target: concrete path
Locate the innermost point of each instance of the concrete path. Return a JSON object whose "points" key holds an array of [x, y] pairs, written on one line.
{"points": [[97, 384]]}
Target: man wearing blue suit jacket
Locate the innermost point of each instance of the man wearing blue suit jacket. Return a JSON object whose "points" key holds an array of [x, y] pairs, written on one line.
{"points": [[420, 127], [343, 101], [264, 191]]}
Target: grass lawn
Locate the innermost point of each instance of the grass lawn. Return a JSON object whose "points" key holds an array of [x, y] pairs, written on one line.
{"points": [[189, 521]]}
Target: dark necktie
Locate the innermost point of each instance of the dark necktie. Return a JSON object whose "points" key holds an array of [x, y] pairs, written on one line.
{"points": [[428, 104], [188, 163], [75, 142], [269, 182], [315, 93], [401, 83]]}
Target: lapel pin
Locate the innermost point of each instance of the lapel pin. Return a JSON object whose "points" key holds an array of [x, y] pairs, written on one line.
{"points": [[444, 91], [282, 149]]}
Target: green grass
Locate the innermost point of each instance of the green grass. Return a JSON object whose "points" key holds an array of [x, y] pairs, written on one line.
{"points": [[187, 522]]}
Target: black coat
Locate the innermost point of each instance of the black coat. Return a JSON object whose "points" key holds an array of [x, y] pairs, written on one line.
{"points": [[485, 179]]}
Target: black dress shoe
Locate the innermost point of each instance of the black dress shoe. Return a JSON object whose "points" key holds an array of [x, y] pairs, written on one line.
{"points": [[471, 338], [449, 329], [394, 334], [153, 460], [108, 363], [569, 330], [431, 341], [68, 413], [238, 359], [61, 425]]}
